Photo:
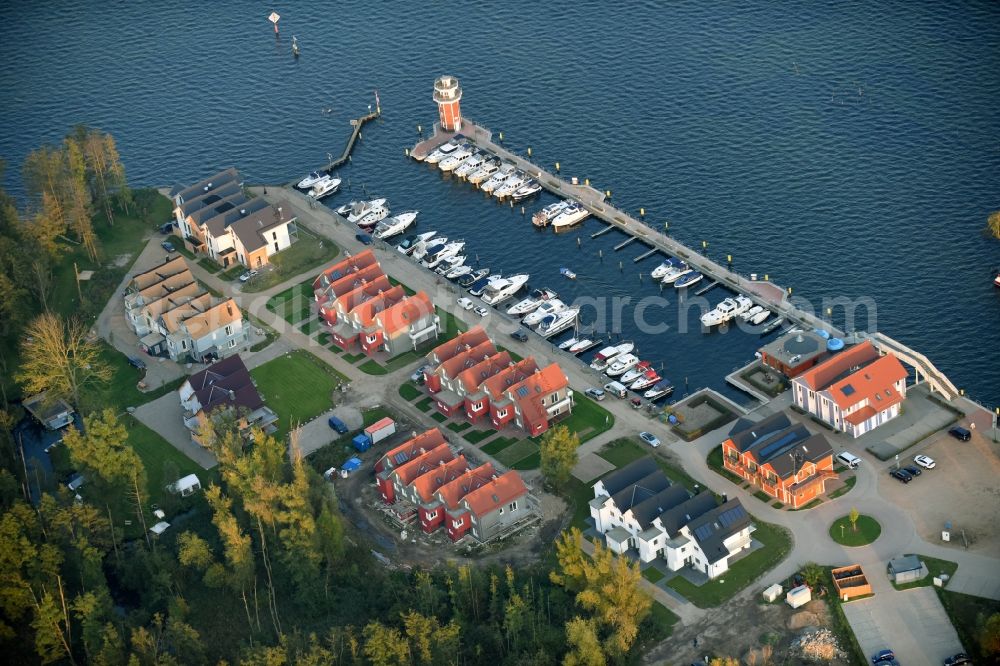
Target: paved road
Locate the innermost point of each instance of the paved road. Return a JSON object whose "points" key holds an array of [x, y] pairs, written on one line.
{"points": [[166, 417]]}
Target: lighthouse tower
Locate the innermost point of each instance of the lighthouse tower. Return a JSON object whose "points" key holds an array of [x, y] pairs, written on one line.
{"points": [[447, 94]]}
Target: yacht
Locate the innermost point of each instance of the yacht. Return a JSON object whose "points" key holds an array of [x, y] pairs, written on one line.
{"points": [[621, 365], [722, 313], [530, 188], [500, 289], [608, 354], [409, 244], [442, 152], [647, 379], [689, 280], [470, 165], [484, 172], [583, 345], [310, 180], [477, 274], [367, 213], [660, 389], [451, 162], [534, 299], [479, 286], [324, 187], [449, 263], [395, 225], [544, 216], [552, 306], [662, 269], [458, 272], [638, 371], [421, 249], [572, 214], [568, 344], [557, 323], [510, 185], [449, 250], [497, 179], [676, 272]]}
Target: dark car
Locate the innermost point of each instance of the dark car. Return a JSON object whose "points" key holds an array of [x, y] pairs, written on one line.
{"points": [[901, 475], [960, 659], [364, 239], [337, 424], [912, 470], [137, 363], [166, 228], [520, 335], [961, 433], [168, 246], [883, 656]]}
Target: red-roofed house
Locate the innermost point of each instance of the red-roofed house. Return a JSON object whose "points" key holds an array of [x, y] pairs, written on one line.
{"points": [[333, 311], [473, 337], [501, 406], [350, 265], [425, 487], [404, 475], [540, 398], [402, 326], [469, 382], [450, 399], [490, 509], [449, 495], [855, 391]]}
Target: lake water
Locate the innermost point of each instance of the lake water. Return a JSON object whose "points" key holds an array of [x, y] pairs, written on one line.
{"points": [[845, 149]]}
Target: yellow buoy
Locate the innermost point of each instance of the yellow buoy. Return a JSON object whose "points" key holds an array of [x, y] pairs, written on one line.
{"points": [[529, 151], [557, 166], [729, 258], [501, 136], [642, 212]]}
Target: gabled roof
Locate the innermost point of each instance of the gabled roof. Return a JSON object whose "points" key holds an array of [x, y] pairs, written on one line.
{"points": [[646, 511], [620, 478], [349, 265], [159, 273], [174, 318], [745, 433], [351, 281], [366, 311], [423, 463], [226, 382], [682, 514], [640, 491], [532, 390], [474, 336], [208, 184], [166, 286], [786, 450], [451, 493], [218, 371], [412, 448], [713, 527], [212, 319], [252, 228], [473, 376], [495, 494], [498, 384], [464, 360], [399, 317], [836, 367], [427, 483], [206, 211], [361, 293], [873, 384]]}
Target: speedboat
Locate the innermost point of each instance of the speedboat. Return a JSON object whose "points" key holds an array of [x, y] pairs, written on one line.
{"points": [[449, 250], [583, 345], [458, 271], [542, 217], [572, 214], [484, 172], [565, 272], [552, 306], [395, 225], [676, 272], [568, 344], [638, 371], [324, 187], [449, 263], [422, 248], [477, 274], [310, 180], [367, 213], [534, 299], [531, 187], [621, 365], [604, 357], [441, 152], [759, 318], [510, 185], [499, 290], [722, 313], [479, 286], [742, 304], [688, 280], [451, 162], [660, 389], [556, 323], [470, 165], [409, 244], [751, 313], [647, 379], [498, 178], [662, 269]]}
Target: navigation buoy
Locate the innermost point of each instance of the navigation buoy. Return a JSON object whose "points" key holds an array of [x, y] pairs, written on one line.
{"points": [[666, 226], [642, 212], [704, 245], [529, 151], [420, 130], [501, 136], [557, 166], [729, 259], [607, 193], [406, 151], [766, 278], [586, 181]]}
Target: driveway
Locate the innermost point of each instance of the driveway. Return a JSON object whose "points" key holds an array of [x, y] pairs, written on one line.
{"points": [[165, 416], [912, 623]]}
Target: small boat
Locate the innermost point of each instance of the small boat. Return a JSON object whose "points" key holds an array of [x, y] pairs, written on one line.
{"points": [[310, 180], [409, 244], [661, 389], [542, 217], [759, 318], [500, 289], [450, 263], [996, 280], [452, 162], [565, 272], [395, 225], [510, 185], [557, 323], [648, 378], [470, 165], [638, 371], [662, 269], [443, 151], [477, 274], [533, 300], [484, 172], [551, 306], [422, 248], [324, 187], [621, 365], [722, 313], [608, 354], [568, 344], [449, 250], [499, 178], [751, 313], [583, 345], [688, 280], [530, 188], [479, 286], [573, 214], [367, 213], [676, 272], [458, 271], [742, 304], [775, 323]]}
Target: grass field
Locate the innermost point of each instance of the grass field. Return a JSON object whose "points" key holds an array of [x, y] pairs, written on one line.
{"points": [[624, 450], [297, 386], [652, 574], [122, 390], [476, 436], [459, 427], [588, 419], [517, 452], [534, 461], [370, 367], [307, 252], [714, 461], [293, 304], [867, 531], [935, 567], [409, 392], [425, 405], [310, 326], [161, 459], [498, 445]]}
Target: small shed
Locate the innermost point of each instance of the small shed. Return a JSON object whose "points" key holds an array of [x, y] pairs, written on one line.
{"points": [[159, 528], [186, 486], [773, 592], [798, 596], [906, 569], [53, 413], [850, 582]]}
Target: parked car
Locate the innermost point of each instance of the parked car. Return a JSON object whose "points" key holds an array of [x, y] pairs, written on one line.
{"points": [[912, 470], [520, 335], [247, 275], [882, 656], [418, 374], [924, 461], [649, 438], [961, 433], [960, 659], [168, 246], [480, 310], [465, 303], [595, 393], [337, 425], [364, 239], [166, 228], [902, 476], [137, 362]]}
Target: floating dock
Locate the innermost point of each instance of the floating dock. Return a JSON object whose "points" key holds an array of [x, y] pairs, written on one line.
{"points": [[602, 231], [627, 241], [707, 288], [357, 124], [642, 256]]}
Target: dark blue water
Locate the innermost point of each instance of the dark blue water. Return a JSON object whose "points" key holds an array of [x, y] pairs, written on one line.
{"points": [[846, 149]]}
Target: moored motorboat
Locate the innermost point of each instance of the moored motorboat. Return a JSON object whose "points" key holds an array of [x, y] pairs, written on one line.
{"points": [[661, 389], [324, 187], [604, 357], [458, 272], [551, 306], [470, 164], [531, 302], [622, 364], [422, 248], [638, 371], [501, 289], [688, 280], [510, 185], [722, 313], [662, 269], [395, 225], [556, 323], [499, 178], [442, 151], [647, 379], [476, 274], [542, 217], [451, 162], [573, 214], [530, 188], [449, 250], [367, 213], [760, 317], [751, 313], [485, 171], [479, 286], [568, 344], [583, 345], [565, 272], [409, 244], [676, 272], [310, 180], [450, 263]]}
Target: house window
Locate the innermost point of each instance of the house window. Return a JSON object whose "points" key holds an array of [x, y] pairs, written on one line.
{"points": [[502, 413], [513, 506], [184, 344], [274, 236], [371, 338], [501, 511], [476, 406], [229, 330], [232, 343], [555, 398], [431, 515], [455, 524]]}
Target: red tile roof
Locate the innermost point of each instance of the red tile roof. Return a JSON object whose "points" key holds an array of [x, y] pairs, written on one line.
{"points": [[473, 377], [423, 463], [411, 448], [495, 494], [474, 336], [820, 376], [874, 384], [351, 281], [360, 294], [496, 385], [366, 312], [530, 392], [402, 315], [427, 483], [349, 265], [452, 492], [464, 360]]}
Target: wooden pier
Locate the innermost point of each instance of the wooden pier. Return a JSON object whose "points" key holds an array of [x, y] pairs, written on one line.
{"points": [[627, 241], [357, 124], [707, 288], [645, 254], [602, 231]]}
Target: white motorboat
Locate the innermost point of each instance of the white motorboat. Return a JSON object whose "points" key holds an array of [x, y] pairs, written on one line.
{"points": [[458, 272], [450, 263], [675, 272], [477, 274], [479, 286], [660, 389], [604, 357], [662, 269], [749, 314], [688, 280], [484, 172], [470, 165], [534, 299], [324, 187], [367, 213], [449, 250], [498, 178], [421, 249], [638, 371], [647, 379], [409, 244], [451, 162], [310, 180], [442, 151], [531, 187], [760, 317], [542, 217], [621, 365], [551, 306], [583, 345], [395, 225], [498, 291], [557, 323], [572, 214], [722, 313], [510, 185], [567, 344]]}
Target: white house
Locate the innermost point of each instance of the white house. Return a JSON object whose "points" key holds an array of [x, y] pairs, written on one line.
{"points": [[636, 507]]}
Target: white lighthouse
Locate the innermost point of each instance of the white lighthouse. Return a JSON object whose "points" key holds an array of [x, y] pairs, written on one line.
{"points": [[448, 94]]}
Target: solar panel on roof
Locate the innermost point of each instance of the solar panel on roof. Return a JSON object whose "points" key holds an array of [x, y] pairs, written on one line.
{"points": [[731, 516], [401, 457], [703, 532], [522, 391], [777, 445], [847, 389]]}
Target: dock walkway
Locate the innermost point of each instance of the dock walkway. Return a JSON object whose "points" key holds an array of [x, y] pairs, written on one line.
{"points": [[357, 124]]}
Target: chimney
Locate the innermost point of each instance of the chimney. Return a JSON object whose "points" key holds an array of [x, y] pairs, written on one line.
{"points": [[229, 309], [232, 394]]}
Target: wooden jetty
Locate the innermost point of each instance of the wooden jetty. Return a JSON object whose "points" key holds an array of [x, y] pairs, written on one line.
{"points": [[645, 254], [707, 288], [602, 231], [357, 124], [627, 241]]}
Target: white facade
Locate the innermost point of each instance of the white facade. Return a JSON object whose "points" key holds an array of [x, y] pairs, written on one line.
{"points": [[822, 405]]}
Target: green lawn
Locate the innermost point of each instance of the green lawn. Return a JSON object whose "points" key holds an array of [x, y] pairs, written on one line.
{"points": [[370, 367], [517, 452], [233, 272], [439, 417], [162, 460], [624, 450], [450, 325], [714, 461], [307, 252], [310, 326], [293, 304], [210, 265], [426, 405], [762, 496], [935, 567], [867, 531], [498, 445], [459, 427], [373, 414], [122, 390], [652, 574], [178, 244], [476, 436], [534, 461], [588, 419], [297, 386], [409, 392], [777, 542]]}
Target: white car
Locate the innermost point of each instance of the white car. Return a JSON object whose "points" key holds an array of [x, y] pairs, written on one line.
{"points": [[480, 310], [924, 461], [246, 276], [649, 438], [465, 303]]}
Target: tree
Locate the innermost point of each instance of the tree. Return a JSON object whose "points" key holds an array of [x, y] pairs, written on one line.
{"points": [[989, 637], [103, 448], [384, 646], [572, 571], [584, 644], [853, 517], [558, 451], [58, 356], [430, 642], [813, 574], [194, 552], [993, 224], [724, 661]]}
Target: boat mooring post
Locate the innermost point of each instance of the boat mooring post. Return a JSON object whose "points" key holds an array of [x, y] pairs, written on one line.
{"points": [[578, 242], [621, 268], [600, 254]]}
